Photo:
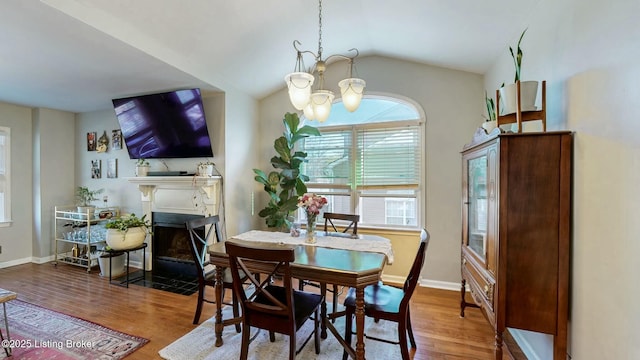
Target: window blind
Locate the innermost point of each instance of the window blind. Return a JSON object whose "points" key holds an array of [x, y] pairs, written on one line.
{"points": [[388, 157]]}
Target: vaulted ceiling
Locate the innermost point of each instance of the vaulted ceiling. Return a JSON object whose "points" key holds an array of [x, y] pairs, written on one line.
{"points": [[77, 55]]}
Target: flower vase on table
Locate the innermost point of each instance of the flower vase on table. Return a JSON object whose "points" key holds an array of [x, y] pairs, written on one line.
{"points": [[311, 228], [311, 203]]}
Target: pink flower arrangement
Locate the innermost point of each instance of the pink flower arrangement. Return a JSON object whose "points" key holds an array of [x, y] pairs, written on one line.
{"points": [[312, 203]]}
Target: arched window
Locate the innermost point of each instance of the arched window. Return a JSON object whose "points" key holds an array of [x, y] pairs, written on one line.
{"points": [[370, 162]]}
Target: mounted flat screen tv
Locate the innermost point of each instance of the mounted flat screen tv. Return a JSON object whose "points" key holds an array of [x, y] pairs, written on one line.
{"points": [[164, 125]]}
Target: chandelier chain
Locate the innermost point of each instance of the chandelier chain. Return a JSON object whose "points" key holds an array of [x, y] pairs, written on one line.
{"points": [[319, 30]]}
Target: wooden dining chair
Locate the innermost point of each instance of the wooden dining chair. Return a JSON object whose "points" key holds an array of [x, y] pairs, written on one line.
{"points": [[203, 232], [278, 309], [353, 220], [329, 217], [390, 303]]}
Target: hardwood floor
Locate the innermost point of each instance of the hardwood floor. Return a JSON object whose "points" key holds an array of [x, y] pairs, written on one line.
{"points": [[162, 317]]}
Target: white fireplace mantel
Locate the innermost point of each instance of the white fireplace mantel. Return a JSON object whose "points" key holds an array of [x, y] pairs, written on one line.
{"points": [[196, 195]]}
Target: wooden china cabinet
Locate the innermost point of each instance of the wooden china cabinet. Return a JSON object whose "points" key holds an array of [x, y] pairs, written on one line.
{"points": [[516, 207]]}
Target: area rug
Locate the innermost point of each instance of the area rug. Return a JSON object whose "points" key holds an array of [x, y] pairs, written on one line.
{"points": [[199, 343], [39, 333]]}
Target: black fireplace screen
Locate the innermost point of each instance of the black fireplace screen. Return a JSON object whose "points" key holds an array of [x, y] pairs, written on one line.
{"points": [[170, 244]]}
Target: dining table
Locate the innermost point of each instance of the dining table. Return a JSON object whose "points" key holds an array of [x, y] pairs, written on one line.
{"points": [[335, 258]]}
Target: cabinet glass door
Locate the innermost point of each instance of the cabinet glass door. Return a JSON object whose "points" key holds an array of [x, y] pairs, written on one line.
{"points": [[477, 211]]}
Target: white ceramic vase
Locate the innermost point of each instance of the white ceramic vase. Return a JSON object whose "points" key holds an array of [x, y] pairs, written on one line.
{"points": [[142, 170], [120, 240], [488, 126], [205, 170]]}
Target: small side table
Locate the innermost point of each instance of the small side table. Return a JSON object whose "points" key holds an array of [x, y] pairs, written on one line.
{"points": [[5, 296], [127, 281]]}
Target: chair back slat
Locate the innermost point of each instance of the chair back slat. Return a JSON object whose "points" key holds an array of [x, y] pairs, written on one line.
{"points": [[202, 232], [351, 218], [414, 274], [260, 298]]}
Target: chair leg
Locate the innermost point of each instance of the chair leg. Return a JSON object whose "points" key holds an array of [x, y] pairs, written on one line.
{"points": [[316, 331], [335, 301], [402, 338], [272, 336], [348, 322], [292, 345], [410, 330], [244, 351], [196, 318], [236, 310]]}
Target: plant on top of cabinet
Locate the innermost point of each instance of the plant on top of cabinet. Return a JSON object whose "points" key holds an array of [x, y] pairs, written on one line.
{"points": [[529, 89]]}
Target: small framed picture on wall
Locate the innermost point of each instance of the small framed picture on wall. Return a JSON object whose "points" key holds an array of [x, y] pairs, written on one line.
{"points": [[112, 168], [96, 169], [91, 141], [116, 139]]}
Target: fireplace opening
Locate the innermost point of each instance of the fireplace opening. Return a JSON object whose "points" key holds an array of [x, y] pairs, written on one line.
{"points": [[171, 254]]}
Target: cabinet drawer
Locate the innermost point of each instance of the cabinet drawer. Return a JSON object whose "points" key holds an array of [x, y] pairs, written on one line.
{"points": [[482, 288]]}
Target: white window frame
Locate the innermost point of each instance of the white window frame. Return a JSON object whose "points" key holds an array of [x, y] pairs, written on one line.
{"points": [[5, 176]]}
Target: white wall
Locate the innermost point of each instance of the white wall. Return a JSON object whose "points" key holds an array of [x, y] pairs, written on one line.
{"points": [[453, 103], [54, 166], [16, 240], [588, 52]]}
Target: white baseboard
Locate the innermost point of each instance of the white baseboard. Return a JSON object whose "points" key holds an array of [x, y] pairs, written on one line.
{"points": [[444, 285], [7, 264]]}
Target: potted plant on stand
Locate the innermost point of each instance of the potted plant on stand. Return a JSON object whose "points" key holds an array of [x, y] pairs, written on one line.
{"points": [[285, 186], [528, 89], [127, 232], [84, 197]]}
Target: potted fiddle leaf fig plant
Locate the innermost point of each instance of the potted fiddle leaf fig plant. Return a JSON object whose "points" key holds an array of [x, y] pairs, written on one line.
{"points": [[528, 89], [286, 183]]}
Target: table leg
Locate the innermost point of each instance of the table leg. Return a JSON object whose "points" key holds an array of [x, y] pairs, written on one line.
{"points": [[219, 326], [7, 349], [360, 323]]}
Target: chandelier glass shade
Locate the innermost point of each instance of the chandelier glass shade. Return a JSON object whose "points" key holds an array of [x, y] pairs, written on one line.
{"points": [[299, 84], [316, 105]]}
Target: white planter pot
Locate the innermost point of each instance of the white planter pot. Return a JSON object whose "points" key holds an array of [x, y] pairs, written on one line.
{"points": [[528, 94], [86, 211], [488, 126], [142, 170], [120, 240], [205, 170], [117, 265]]}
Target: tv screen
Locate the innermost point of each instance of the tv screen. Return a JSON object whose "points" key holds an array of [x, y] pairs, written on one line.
{"points": [[165, 125]]}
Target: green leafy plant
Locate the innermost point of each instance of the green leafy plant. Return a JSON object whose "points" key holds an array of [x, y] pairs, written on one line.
{"points": [[286, 185], [491, 108], [84, 196], [142, 162], [126, 222], [517, 57]]}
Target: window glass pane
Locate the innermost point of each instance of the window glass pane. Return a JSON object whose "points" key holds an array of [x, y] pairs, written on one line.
{"points": [[371, 110], [329, 158]]}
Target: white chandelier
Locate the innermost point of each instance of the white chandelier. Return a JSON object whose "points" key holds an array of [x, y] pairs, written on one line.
{"points": [[317, 105]]}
